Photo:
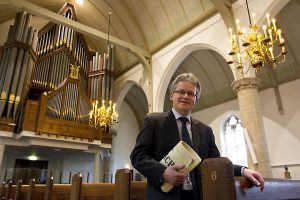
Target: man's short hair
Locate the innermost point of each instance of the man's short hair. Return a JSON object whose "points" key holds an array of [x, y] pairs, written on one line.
{"points": [[186, 77]]}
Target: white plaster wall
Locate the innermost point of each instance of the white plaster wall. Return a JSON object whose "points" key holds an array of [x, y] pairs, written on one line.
{"points": [[75, 165], [124, 141], [282, 131], [136, 75], [216, 116]]}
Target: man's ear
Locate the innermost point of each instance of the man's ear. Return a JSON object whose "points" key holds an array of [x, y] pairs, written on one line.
{"points": [[171, 97]]}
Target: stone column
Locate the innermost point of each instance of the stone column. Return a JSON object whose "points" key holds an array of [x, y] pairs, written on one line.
{"points": [[2, 148], [97, 166], [250, 109]]}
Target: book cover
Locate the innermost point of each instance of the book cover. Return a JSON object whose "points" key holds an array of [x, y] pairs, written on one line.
{"points": [[181, 154]]}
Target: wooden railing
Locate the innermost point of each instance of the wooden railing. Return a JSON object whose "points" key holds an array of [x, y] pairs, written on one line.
{"points": [[125, 189]]}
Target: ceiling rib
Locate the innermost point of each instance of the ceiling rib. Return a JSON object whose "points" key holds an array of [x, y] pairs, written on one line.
{"points": [[86, 30]]}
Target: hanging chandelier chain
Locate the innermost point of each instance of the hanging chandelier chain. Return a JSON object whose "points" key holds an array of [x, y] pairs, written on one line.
{"points": [[108, 29], [248, 13]]}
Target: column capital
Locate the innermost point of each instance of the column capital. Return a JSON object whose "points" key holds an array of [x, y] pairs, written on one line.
{"points": [[247, 82]]}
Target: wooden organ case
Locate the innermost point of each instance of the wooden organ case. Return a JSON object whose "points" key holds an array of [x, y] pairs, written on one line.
{"points": [[65, 77]]}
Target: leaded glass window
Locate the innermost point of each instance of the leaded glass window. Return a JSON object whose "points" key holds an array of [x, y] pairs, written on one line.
{"points": [[235, 145]]}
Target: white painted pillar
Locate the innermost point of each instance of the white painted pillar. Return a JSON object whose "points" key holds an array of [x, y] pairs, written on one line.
{"points": [[97, 166], [2, 148], [249, 104]]}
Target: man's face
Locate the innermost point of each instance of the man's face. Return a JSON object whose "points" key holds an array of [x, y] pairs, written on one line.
{"points": [[183, 97]]}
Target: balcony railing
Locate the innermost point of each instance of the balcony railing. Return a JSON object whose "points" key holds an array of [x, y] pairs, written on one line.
{"points": [[40, 175]]}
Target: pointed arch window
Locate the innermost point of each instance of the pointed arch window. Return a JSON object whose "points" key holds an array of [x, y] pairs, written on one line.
{"points": [[235, 146]]}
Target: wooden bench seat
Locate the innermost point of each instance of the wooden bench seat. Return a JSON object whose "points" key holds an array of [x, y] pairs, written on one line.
{"points": [[138, 190], [89, 191], [243, 190]]}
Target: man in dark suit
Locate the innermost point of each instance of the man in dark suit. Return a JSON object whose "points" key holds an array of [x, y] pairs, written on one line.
{"points": [[162, 131]]}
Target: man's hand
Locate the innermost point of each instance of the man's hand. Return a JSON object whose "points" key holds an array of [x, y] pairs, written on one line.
{"points": [[173, 176], [256, 178]]}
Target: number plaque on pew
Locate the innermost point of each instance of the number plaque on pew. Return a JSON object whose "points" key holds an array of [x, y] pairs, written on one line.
{"points": [[218, 179]]}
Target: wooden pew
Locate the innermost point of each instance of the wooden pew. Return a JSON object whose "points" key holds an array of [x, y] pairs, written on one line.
{"points": [[18, 190], [138, 190], [5, 190], [217, 179], [8, 193], [30, 192], [76, 187], [2, 190], [86, 191], [122, 184], [218, 183], [274, 189], [48, 189], [89, 191], [283, 189], [242, 190]]}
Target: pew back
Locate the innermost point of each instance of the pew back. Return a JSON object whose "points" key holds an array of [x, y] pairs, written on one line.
{"points": [[136, 190], [217, 174], [122, 186], [274, 189]]}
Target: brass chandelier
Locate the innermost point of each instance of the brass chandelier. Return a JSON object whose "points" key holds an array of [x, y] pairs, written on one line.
{"points": [[258, 47], [103, 116]]}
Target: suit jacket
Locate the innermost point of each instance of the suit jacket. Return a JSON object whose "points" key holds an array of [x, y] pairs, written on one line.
{"points": [[157, 137]]}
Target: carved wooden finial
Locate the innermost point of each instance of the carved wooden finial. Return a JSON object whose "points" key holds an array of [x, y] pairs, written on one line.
{"points": [[74, 71]]}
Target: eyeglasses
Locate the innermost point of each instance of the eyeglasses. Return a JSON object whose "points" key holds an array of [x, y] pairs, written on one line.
{"points": [[182, 93]]}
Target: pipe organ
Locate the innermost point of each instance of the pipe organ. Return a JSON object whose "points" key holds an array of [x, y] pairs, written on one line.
{"points": [[42, 63], [17, 61]]}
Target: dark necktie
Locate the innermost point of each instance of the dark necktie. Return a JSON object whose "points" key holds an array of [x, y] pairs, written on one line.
{"points": [[184, 131], [189, 182]]}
